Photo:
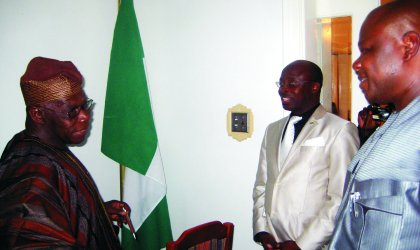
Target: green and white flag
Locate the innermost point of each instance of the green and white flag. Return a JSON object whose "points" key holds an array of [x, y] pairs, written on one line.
{"points": [[129, 136]]}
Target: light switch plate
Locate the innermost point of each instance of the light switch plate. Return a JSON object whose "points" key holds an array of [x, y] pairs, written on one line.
{"points": [[240, 122]]}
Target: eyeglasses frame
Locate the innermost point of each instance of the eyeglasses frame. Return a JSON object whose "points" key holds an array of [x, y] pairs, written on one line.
{"points": [[80, 108], [292, 84]]}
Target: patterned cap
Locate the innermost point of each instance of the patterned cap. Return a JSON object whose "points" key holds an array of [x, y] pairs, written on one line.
{"points": [[48, 80]]}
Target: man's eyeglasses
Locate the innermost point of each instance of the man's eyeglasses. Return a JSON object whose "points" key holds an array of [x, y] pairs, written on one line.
{"points": [[291, 84], [76, 111]]}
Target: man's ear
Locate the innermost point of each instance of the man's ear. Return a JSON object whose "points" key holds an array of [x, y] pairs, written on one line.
{"points": [[412, 42], [36, 114], [316, 86]]}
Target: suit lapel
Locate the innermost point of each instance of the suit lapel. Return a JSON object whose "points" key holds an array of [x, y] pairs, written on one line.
{"points": [[281, 129], [306, 131]]}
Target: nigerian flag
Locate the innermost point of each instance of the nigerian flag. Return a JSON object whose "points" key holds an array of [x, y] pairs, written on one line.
{"points": [[129, 136]]}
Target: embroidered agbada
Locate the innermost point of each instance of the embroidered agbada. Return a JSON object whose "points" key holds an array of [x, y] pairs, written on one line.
{"points": [[48, 198]]}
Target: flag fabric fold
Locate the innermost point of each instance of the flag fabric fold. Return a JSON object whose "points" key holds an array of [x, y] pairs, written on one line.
{"points": [[129, 136]]}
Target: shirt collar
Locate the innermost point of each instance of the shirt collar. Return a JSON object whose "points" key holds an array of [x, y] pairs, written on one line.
{"points": [[308, 113]]}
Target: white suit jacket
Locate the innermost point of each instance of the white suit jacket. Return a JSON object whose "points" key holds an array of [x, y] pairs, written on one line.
{"points": [[299, 200]]}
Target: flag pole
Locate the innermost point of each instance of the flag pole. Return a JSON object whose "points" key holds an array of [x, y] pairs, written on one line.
{"points": [[122, 167], [122, 178], [129, 137]]}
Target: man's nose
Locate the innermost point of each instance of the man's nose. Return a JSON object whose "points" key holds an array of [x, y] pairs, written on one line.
{"points": [[283, 89], [357, 65], [84, 115]]}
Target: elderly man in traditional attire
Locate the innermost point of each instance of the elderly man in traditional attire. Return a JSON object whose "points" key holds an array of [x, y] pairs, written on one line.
{"points": [[47, 197]]}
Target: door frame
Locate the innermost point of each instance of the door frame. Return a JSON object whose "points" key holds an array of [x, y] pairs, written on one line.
{"points": [[299, 33]]}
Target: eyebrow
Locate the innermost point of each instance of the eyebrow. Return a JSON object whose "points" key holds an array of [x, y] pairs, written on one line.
{"points": [[74, 106], [290, 78]]}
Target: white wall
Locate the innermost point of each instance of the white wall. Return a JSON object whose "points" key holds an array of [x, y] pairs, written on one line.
{"points": [[203, 57]]}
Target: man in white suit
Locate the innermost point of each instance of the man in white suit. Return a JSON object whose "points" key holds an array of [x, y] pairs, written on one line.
{"points": [[297, 192]]}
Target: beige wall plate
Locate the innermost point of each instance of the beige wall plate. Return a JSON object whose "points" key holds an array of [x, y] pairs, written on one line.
{"points": [[240, 122]]}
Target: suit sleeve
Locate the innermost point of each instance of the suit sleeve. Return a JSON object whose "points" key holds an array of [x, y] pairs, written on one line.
{"points": [[343, 149], [259, 218]]}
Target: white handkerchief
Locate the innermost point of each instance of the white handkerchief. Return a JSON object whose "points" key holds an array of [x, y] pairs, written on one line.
{"points": [[317, 141]]}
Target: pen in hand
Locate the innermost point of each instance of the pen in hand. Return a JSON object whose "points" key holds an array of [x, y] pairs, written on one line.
{"points": [[130, 224]]}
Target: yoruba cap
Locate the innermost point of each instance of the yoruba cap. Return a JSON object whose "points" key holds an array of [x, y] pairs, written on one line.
{"points": [[48, 79]]}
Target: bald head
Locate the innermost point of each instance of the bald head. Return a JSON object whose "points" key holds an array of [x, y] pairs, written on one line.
{"points": [[389, 65], [403, 14]]}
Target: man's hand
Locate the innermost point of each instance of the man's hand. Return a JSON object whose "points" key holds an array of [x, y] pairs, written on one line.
{"points": [[289, 245], [116, 212], [365, 115], [269, 242]]}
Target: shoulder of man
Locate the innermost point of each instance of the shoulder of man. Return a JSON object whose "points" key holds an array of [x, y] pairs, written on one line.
{"points": [[279, 122], [334, 120], [23, 150]]}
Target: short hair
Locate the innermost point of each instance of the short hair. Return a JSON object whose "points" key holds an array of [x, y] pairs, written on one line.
{"points": [[314, 71], [317, 73]]}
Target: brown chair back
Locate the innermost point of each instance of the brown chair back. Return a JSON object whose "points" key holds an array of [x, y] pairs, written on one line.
{"points": [[205, 236]]}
